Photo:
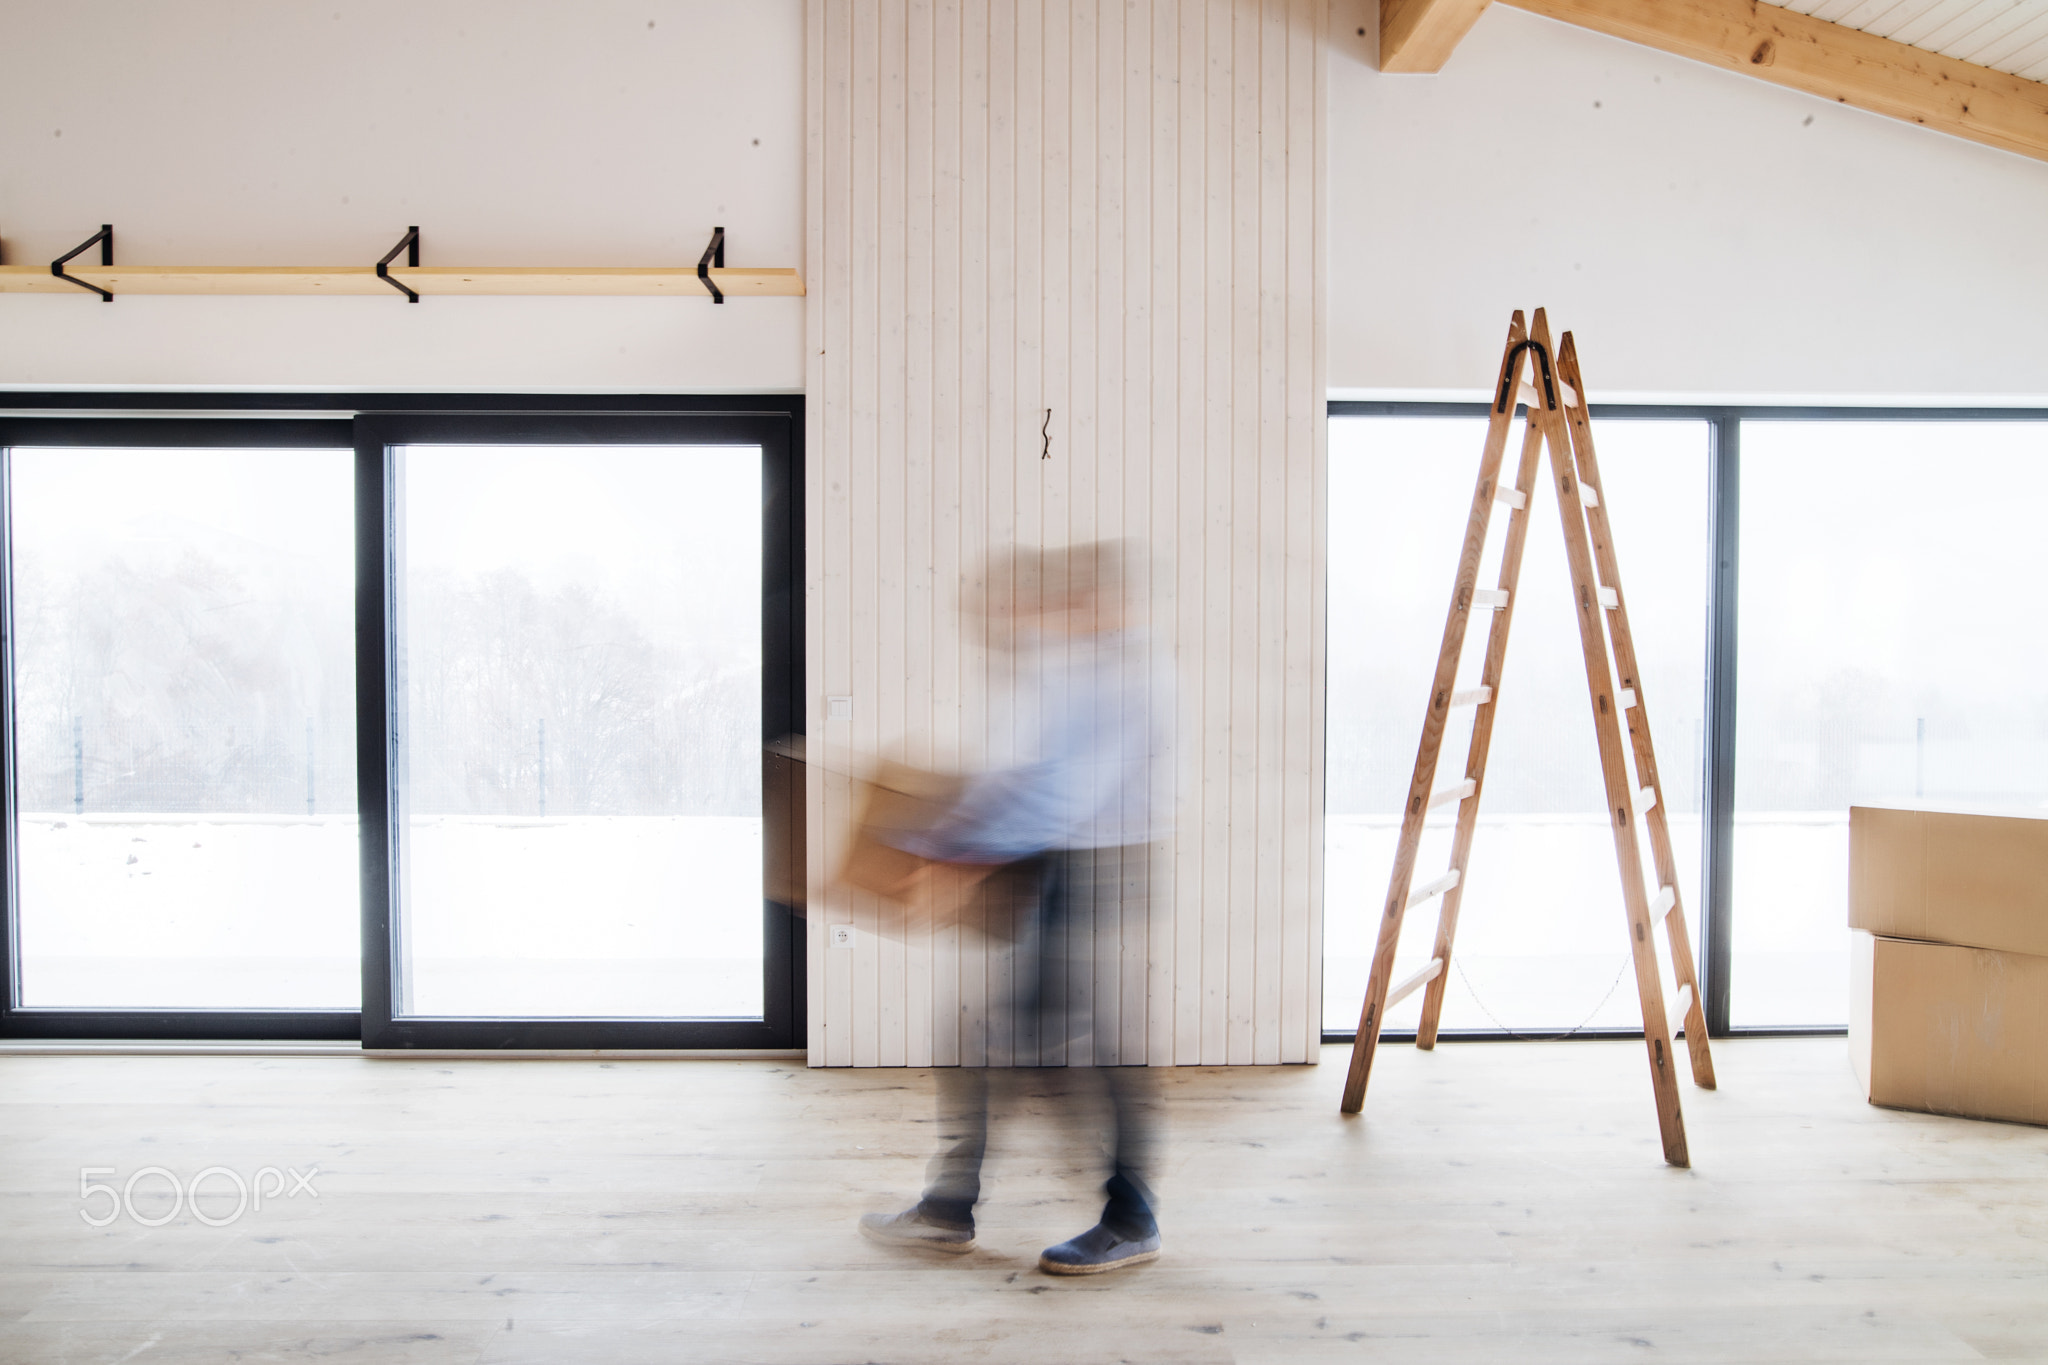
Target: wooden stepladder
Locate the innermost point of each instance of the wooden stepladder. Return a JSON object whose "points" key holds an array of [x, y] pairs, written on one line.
{"points": [[1557, 418]]}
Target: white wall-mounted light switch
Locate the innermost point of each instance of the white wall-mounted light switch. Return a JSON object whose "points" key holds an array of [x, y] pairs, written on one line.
{"points": [[842, 936], [839, 708]]}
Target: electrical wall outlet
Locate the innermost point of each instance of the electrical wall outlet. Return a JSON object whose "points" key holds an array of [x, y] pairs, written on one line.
{"points": [[842, 936]]}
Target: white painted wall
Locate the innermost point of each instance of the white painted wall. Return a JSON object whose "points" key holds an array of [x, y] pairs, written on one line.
{"points": [[1703, 234], [1108, 209], [515, 132]]}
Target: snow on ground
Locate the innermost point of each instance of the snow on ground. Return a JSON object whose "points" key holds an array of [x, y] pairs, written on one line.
{"points": [[603, 916], [660, 917], [1542, 942]]}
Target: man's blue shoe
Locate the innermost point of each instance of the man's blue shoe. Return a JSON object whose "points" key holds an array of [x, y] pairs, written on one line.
{"points": [[1097, 1250]]}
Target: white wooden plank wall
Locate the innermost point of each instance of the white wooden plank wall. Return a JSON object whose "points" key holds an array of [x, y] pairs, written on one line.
{"points": [[1112, 210]]}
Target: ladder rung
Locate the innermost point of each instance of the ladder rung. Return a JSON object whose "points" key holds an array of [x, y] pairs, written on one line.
{"points": [[1513, 497], [1589, 495], [1433, 889], [1472, 696], [1609, 598], [1627, 698], [1665, 903], [1490, 599], [1413, 984], [1645, 799], [1680, 1007], [1457, 793]]}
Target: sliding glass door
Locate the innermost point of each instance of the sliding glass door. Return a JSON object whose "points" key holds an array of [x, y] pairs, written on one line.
{"points": [[422, 727], [590, 638], [579, 751], [183, 825]]}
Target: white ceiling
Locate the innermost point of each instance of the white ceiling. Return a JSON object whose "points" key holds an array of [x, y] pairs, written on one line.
{"points": [[2005, 35]]}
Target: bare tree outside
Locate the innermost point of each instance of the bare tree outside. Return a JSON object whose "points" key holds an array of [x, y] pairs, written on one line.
{"points": [[526, 696]]}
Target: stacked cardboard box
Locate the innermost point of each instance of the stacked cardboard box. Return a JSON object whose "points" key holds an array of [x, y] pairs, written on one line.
{"points": [[1949, 965]]}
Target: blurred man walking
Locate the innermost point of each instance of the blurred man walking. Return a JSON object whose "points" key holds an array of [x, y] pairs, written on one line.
{"points": [[1076, 825]]}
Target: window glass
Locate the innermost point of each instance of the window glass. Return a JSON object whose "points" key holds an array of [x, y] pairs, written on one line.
{"points": [[580, 742], [1887, 654], [1542, 940], [184, 728]]}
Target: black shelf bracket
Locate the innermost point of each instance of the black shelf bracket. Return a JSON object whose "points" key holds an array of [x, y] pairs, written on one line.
{"points": [[105, 237], [1507, 379], [714, 254], [410, 245]]}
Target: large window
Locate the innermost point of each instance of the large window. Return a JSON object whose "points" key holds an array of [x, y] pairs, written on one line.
{"points": [[1829, 609], [184, 724], [580, 634], [1542, 939], [418, 726], [1888, 654]]}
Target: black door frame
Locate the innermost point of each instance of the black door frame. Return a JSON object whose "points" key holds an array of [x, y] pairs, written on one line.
{"points": [[369, 424], [377, 435], [92, 428]]}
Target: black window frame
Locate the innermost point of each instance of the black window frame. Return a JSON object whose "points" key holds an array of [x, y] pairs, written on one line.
{"points": [[1723, 625], [369, 425]]}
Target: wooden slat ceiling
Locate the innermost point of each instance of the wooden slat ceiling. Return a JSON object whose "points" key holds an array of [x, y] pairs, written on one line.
{"points": [[2005, 35], [1975, 69]]}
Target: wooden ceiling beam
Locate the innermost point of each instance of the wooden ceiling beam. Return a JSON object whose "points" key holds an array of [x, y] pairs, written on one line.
{"points": [[1420, 35], [1829, 60]]}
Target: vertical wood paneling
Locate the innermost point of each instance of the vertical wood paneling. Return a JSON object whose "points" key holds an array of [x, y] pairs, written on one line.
{"points": [[868, 642], [1107, 234], [1270, 621], [947, 118], [1162, 464], [1227, 944], [1192, 988], [831, 514], [977, 121], [1301, 988], [1111, 211], [822, 512], [1013, 355], [1057, 287], [1077, 474], [897, 468], [920, 477], [1129, 82]]}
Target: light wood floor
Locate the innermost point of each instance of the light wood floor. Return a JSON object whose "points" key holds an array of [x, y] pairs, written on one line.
{"points": [[1498, 1203]]}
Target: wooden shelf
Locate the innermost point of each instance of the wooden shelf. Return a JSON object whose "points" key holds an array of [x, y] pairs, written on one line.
{"points": [[429, 281]]}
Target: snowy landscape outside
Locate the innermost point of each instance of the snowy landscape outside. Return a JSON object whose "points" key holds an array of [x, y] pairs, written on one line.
{"points": [[1883, 658], [185, 732], [1880, 660], [1542, 942], [580, 754], [581, 715]]}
